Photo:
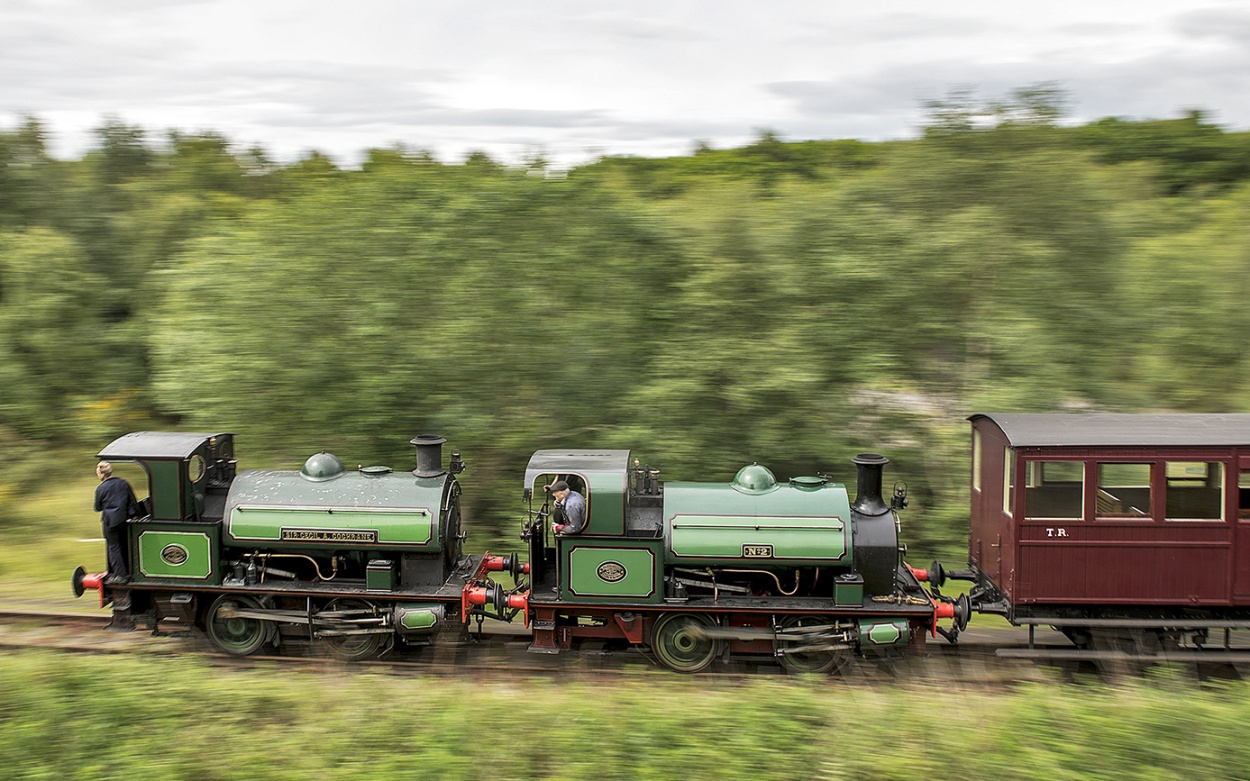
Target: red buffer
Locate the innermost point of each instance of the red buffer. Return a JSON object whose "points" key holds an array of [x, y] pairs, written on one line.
{"points": [[481, 591], [82, 582]]}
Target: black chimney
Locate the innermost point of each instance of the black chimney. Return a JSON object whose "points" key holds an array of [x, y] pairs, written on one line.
{"points": [[430, 456], [868, 499]]}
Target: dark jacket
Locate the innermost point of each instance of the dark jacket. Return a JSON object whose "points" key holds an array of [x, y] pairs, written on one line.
{"points": [[115, 501]]}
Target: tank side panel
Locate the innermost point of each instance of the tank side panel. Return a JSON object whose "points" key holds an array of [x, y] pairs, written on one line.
{"points": [[284, 510], [713, 523]]}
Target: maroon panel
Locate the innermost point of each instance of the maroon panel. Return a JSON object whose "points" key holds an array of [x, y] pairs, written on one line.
{"points": [[1125, 563], [1241, 562], [989, 534]]}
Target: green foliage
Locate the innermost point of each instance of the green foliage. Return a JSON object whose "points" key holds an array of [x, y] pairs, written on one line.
{"points": [[1189, 151], [791, 303]]}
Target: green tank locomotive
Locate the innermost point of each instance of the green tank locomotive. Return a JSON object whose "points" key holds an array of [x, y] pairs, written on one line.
{"points": [[356, 559], [695, 572]]}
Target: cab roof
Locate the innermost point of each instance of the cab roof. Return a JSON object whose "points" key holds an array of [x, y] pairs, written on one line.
{"points": [[156, 444], [549, 462], [1106, 429]]}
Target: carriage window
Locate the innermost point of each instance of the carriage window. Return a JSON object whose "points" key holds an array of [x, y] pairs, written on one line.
{"points": [[1009, 480], [976, 460], [1195, 491], [1243, 496], [1123, 490], [1054, 489]]}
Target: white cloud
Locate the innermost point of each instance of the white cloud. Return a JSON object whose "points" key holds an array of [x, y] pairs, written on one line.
{"points": [[576, 78]]}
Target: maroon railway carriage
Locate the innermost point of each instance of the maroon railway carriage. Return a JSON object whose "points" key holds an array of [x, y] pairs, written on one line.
{"points": [[1113, 527]]}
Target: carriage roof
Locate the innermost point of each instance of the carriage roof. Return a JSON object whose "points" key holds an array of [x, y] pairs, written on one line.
{"points": [[1120, 429]]}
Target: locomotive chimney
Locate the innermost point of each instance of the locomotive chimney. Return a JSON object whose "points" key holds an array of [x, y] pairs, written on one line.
{"points": [[430, 456], [868, 499]]}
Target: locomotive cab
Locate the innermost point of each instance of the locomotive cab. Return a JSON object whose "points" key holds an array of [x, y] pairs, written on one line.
{"points": [[181, 480], [618, 530]]}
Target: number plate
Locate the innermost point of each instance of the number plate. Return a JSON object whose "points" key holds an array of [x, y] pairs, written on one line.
{"points": [[757, 551]]}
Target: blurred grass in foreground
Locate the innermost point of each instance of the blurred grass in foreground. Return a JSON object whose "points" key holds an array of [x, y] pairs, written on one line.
{"points": [[122, 718]]}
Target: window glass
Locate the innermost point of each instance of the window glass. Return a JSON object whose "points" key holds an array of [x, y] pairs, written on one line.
{"points": [[1243, 496], [1054, 489], [1009, 479], [1123, 491], [976, 460], [1195, 490]]}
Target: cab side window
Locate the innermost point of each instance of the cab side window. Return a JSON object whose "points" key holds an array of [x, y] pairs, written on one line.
{"points": [[137, 476]]}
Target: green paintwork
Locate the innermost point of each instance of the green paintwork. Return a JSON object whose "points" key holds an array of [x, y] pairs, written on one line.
{"points": [[418, 616], [713, 538], [710, 523], [581, 581], [267, 523], [883, 632], [848, 594], [380, 575], [195, 548], [352, 510], [322, 466], [755, 479], [606, 502], [166, 490], [593, 571]]}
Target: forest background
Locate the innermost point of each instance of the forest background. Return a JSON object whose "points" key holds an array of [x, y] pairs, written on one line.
{"points": [[787, 303]]}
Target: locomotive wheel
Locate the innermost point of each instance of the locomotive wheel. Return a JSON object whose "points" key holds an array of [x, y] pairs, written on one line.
{"points": [[676, 640], [351, 648], [234, 635], [813, 662]]}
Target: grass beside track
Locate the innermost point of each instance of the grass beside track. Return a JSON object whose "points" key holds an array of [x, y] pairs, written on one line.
{"points": [[75, 717], [48, 533]]}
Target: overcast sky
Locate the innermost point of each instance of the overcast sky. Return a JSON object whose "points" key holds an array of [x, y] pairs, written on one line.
{"points": [[580, 78]]}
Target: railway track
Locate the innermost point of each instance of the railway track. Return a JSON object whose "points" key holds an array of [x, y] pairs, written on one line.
{"points": [[985, 658]]}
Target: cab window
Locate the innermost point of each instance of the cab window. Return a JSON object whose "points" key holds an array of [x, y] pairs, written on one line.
{"points": [[137, 476]]}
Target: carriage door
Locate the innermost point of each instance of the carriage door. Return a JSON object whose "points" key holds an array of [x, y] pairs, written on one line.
{"points": [[1241, 556]]}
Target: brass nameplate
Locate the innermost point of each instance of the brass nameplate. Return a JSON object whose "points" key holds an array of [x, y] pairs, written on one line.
{"points": [[329, 535]]}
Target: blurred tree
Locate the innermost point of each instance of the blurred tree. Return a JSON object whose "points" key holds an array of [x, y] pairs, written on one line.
{"points": [[1189, 151], [792, 303], [55, 348], [28, 176]]}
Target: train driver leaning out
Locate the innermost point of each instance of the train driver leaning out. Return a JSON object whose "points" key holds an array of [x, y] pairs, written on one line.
{"points": [[574, 506], [115, 502]]}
